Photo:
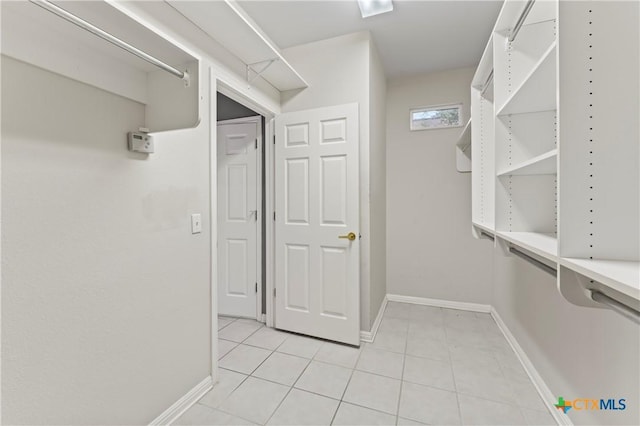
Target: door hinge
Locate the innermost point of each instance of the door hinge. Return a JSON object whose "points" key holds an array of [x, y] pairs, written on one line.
{"points": [[274, 139], [274, 216], [256, 143], [256, 287], [274, 292]]}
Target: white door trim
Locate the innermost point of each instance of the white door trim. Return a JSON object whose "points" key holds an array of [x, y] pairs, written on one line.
{"points": [[270, 226], [213, 220], [258, 120]]}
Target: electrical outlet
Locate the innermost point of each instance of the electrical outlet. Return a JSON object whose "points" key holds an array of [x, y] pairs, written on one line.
{"points": [[196, 223]]}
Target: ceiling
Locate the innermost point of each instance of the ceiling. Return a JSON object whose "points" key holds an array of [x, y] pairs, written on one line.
{"points": [[418, 36]]}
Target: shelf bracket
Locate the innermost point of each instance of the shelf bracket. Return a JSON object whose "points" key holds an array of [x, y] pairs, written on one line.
{"points": [[258, 73]]}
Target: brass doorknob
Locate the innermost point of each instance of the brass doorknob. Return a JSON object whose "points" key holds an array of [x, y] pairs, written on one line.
{"points": [[350, 236]]}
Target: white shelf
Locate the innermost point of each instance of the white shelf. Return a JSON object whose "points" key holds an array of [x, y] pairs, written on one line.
{"points": [[464, 140], [232, 27], [39, 37], [485, 227], [544, 164], [622, 276], [485, 67], [538, 90], [544, 245]]}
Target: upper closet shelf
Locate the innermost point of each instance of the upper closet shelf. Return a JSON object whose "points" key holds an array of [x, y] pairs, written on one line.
{"points": [[535, 93], [544, 245], [230, 25], [622, 276], [485, 67], [544, 164], [95, 43]]}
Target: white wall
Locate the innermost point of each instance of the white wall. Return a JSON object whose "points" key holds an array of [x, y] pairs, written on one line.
{"points": [[430, 250], [106, 293], [377, 181], [106, 312], [337, 71], [579, 352]]}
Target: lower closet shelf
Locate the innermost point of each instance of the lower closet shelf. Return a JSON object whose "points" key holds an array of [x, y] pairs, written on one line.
{"points": [[544, 245], [622, 276]]}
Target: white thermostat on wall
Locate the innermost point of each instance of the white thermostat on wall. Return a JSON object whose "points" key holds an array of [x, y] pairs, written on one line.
{"points": [[140, 142]]}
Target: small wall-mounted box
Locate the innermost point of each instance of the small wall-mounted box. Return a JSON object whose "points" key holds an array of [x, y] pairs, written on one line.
{"points": [[140, 142]]}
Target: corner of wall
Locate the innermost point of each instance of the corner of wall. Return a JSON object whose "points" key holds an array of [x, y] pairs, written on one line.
{"points": [[377, 181]]}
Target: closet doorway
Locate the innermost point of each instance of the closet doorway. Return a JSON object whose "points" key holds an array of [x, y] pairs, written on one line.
{"points": [[240, 136]]}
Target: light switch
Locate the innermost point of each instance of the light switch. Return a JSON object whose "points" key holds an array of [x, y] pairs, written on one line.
{"points": [[196, 223]]}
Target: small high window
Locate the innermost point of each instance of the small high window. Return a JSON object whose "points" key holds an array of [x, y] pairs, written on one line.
{"points": [[436, 117]]}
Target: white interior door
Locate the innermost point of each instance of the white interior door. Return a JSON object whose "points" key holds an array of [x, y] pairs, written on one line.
{"points": [[317, 201], [237, 218]]}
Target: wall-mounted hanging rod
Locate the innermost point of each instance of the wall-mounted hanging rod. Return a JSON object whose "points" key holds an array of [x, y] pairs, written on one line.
{"points": [[548, 269], [624, 310], [523, 16], [489, 236], [110, 38], [487, 83]]}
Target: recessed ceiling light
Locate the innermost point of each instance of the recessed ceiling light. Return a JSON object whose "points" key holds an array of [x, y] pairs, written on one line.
{"points": [[374, 7]]}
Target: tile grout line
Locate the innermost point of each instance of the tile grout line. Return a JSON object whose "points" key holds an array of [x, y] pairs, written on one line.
{"points": [[279, 405], [243, 380], [296, 381], [493, 353], [259, 378], [453, 373], [227, 325], [404, 362], [360, 349]]}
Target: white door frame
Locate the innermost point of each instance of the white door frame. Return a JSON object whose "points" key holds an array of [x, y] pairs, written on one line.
{"points": [[258, 120], [231, 91]]}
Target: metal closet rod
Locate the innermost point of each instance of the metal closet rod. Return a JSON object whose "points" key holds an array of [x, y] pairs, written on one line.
{"points": [[624, 310], [520, 22], [110, 38], [487, 83], [548, 269], [489, 236]]}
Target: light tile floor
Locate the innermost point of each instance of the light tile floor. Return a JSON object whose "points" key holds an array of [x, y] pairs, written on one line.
{"points": [[427, 366]]}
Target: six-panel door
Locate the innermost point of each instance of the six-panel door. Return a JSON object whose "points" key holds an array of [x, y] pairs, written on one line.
{"points": [[317, 192]]}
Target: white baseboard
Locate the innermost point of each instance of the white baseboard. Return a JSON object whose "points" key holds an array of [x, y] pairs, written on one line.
{"points": [[178, 408], [462, 306], [542, 388], [369, 336]]}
